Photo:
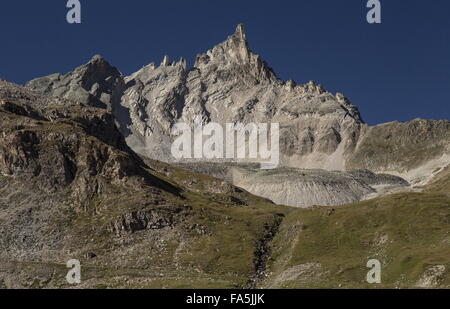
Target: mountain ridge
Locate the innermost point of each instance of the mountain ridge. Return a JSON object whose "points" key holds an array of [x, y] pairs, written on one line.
{"points": [[229, 84]]}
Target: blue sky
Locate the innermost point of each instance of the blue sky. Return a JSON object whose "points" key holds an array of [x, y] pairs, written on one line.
{"points": [[399, 70]]}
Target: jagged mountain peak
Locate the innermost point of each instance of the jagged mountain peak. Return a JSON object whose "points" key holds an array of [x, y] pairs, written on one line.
{"points": [[234, 54], [240, 32], [228, 84], [238, 42], [94, 83], [235, 49]]}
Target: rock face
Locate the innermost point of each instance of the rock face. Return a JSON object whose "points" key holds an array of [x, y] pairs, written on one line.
{"points": [[230, 84], [65, 155]]}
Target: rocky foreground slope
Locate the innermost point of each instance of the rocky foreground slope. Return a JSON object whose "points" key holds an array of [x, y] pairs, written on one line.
{"points": [[70, 188], [230, 84]]}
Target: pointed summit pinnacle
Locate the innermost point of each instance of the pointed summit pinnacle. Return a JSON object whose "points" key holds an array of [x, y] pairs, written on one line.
{"points": [[240, 32], [166, 61]]}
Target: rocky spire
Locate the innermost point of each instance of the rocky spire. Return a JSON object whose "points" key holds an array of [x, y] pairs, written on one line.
{"points": [[166, 61], [182, 63], [234, 48], [239, 43], [240, 33], [233, 55]]}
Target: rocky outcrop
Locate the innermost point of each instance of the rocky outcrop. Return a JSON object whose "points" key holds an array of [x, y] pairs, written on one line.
{"points": [[58, 142], [141, 220], [60, 156]]}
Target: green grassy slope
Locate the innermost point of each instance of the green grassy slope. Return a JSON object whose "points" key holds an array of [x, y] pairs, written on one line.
{"points": [[408, 233]]}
